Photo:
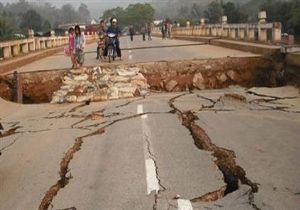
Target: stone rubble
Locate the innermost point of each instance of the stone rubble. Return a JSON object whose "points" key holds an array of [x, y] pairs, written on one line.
{"points": [[96, 84]]}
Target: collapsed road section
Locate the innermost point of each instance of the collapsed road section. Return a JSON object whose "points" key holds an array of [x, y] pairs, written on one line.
{"points": [[107, 82]]}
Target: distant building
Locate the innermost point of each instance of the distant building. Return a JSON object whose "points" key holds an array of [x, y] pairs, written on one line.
{"points": [[86, 28], [94, 22]]}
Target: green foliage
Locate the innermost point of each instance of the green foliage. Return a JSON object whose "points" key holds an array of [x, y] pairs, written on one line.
{"points": [[16, 18], [286, 12], [134, 14], [84, 13], [68, 14], [233, 14], [214, 12], [7, 26], [31, 20], [46, 26]]}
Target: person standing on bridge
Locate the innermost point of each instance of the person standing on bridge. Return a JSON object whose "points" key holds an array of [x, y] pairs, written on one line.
{"points": [[79, 45], [143, 32], [164, 30], [149, 31], [131, 32], [70, 51]]}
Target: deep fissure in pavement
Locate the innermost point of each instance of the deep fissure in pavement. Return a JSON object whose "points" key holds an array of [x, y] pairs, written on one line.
{"points": [[225, 159], [64, 164], [9, 132]]}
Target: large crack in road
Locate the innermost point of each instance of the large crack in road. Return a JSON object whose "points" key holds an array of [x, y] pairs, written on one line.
{"points": [[225, 159], [233, 174], [64, 164]]}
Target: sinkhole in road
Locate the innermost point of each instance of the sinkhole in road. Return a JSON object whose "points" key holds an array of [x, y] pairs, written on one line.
{"points": [[112, 81]]}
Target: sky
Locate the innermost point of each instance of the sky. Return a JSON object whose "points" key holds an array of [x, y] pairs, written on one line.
{"points": [[96, 7]]}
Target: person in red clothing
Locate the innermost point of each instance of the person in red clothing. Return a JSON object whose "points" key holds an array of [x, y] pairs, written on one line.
{"points": [[72, 47]]}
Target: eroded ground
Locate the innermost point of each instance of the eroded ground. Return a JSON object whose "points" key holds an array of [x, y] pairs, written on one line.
{"points": [[234, 148]]}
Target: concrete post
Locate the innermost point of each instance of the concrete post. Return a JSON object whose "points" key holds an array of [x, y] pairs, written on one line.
{"points": [[232, 33], [241, 33], [24, 48], [30, 33], [49, 43], [54, 44], [262, 33], [224, 20], [220, 30], [262, 17], [276, 32], [225, 31], [32, 45], [188, 24], [37, 44], [18, 89], [16, 49], [43, 44], [207, 31], [6, 52], [251, 34], [202, 21]]}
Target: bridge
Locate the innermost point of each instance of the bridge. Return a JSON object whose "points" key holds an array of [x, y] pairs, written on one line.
{"points": [[208, 119]]}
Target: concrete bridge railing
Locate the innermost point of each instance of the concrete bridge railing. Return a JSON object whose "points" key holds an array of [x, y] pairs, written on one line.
{"points": [[262, 31], [32, 44]]}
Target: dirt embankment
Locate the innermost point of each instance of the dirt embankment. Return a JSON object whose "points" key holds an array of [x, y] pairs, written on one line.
{"points": [[167, 76]]}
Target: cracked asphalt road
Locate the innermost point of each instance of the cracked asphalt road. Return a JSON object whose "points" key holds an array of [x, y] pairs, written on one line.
{"points": [[137, 154]]}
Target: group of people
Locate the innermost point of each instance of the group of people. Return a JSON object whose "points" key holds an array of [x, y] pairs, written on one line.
{"points": [[76, 46], [77, 40], [166, 30], [146, 29], [102, 46]]}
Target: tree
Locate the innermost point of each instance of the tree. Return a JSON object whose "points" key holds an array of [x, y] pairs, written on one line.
{"points": [[214, 12], [134, 14], [196, 11], [46, 26], [31, 20], [68, 14], [233, 14], [139, 14], [84, 13], [288, 13], [1, 7]]}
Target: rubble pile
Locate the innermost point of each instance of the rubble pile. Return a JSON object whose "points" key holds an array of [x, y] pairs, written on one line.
{"points": [[96, 84]]}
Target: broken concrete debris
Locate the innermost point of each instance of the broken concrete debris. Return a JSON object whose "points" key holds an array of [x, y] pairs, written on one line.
{"points": [[96, 84]]}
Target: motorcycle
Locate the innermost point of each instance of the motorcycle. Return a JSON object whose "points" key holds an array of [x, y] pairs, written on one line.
{"points": [[111, 46]]}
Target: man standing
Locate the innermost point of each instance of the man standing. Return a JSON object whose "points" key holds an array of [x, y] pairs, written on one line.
{"points": [[143, 32], [131, 32], [149, 31]]}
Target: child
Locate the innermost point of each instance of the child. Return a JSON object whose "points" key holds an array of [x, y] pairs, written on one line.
{"points": [[79, 46]]}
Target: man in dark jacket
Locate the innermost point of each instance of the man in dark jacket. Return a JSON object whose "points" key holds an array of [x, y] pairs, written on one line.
{"points": [[131, 32], [114, 28]]}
